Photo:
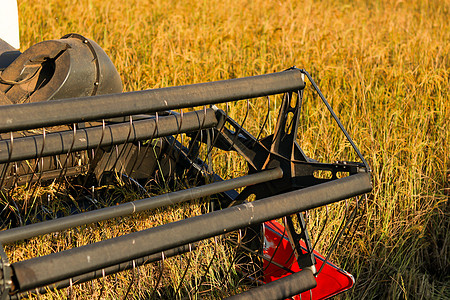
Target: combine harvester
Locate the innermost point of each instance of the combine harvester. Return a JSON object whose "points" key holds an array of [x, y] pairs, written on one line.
{"points": [[64, 119]]}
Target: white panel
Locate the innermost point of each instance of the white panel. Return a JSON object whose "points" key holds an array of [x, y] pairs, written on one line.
{"points": [[9, 23]]}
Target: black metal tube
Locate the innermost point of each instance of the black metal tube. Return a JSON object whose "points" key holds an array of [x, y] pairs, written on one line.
{"points": [[55, 267], [129, 265], [66, 111], [282, 288], [32, 230], [91, 137]]}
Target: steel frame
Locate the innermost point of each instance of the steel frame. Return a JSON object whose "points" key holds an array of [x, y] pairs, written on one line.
{"points": [[280, 176]]}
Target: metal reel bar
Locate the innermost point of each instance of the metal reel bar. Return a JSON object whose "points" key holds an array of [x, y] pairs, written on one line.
{"points": [[98, 136], [69, 111], [47, 269]]}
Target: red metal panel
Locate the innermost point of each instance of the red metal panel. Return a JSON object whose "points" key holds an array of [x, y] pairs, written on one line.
{"points": [[331, 281]]}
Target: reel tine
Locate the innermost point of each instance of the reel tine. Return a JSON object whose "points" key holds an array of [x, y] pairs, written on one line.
{"points": [[170, 151], [150, 141], [236, 133], [211, 147], [15, 175], [100, 152], [96, 151], [138, 152], [7, 164], [70, 289], [149, 145], [159, 277], [38, 161], [102, 136], [264, 123], [133, 276], [191, 149], [38, 158], [139, 281], [10, 193], [93, 290], [276, 249], [69, 153], [111, 163], [123, 149], [205, 273], [264, 257], [353, 227], [8, 168], [144, 153], [344, 225], [178, 289], [102, 284], [195, 145], [322, 229], [199, 132], [175, 138], [208, 157], [64, 166], [232, 262]]}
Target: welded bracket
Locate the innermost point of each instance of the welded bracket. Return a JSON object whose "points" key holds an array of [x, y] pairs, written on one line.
{"points": [[305, 258]]}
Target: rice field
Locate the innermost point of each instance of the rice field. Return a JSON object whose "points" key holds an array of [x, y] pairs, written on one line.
{"points": [[384, 67]]}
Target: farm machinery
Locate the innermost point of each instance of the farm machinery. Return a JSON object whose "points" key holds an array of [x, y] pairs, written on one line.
{"points": [[65, 123]]}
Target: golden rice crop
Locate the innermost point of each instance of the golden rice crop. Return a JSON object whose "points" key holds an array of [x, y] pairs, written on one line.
{"points": [[384, 66]]}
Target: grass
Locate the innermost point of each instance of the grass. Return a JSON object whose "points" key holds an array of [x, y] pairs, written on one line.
{"points": [[384, 66]]}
